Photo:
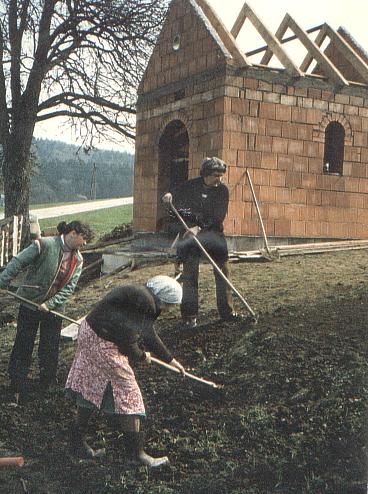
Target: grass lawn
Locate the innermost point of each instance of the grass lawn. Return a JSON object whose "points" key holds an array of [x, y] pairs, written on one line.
{"points": [[101, 221]]}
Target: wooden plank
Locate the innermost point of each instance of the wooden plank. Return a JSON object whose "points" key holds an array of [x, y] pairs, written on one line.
{"points": [[225, 36], [14, 243], [283, 27], [282, 41], [274, 44], [327, 66], [242, 16], [321, 36], [347, 51], [2, 248]]}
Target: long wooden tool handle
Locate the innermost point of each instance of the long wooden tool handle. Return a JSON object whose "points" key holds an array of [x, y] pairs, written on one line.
{"points": [[16, 461], [228, 282], [30, 302], [187, 374]]}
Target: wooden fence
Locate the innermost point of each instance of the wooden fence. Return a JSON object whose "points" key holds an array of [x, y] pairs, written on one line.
{"points": [[10, 238]]}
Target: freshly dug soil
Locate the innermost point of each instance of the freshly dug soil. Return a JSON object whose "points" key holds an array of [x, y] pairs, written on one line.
{"points": [[290, 417]]}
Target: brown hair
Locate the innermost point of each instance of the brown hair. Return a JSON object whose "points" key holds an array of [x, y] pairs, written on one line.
{"points": [[81, 228]]}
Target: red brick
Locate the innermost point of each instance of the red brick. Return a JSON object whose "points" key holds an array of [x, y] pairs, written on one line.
{"points": [[254, 108], [285, 162], [310, 149], [283, 195], [260, 176], [264, 143], [289, 130], [293, 179], [273, 128], [277, 178], [250, 124], [313, 229], [268, 160], [283, 113], [315, 165], [240, 106], [276, 211], [266, 194], [300, 164], [351, 184], [295, 147], [297, 228], [250, 227], [282, 227], [307, 213], [298, 196], [314, 197], [292, 212], [279, 145], [267, 110]]}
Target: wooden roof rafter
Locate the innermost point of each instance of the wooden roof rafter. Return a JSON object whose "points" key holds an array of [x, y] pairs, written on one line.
{"points": [[274, 44], [326, 65], [321, 36], [348, 52], [225, 36]]}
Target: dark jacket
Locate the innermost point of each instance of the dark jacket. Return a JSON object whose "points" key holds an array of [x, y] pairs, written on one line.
{"points": [[126, 317], [201, 205]]}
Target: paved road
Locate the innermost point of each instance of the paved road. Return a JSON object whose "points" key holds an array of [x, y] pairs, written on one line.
{"points": [[81, 207]]}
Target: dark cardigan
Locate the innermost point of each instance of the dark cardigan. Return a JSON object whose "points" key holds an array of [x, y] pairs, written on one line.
{"points": [[126, 316], [205, 206]]}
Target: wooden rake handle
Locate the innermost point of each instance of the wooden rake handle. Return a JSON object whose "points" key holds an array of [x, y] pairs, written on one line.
{"points": [[30, 302], [227, 281], [187, 374]]}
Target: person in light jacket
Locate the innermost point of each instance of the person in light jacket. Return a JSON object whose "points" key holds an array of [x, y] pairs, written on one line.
{"points": [[109, 344], [53, 266]]}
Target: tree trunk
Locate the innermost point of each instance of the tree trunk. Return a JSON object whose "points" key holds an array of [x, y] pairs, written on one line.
{"points": [[16, 172]]}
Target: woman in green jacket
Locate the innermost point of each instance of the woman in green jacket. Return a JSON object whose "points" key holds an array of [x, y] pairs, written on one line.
{"points": [[53, 265]]}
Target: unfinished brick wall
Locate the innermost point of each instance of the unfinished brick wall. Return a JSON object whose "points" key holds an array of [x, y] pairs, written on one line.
{"points": [[196, 104], [278, 132], [255, 118]]}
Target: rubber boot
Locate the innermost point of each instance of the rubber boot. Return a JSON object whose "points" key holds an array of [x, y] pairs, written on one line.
{"points": [[134, 445]]}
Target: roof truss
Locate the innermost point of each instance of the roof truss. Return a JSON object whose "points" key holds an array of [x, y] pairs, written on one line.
{"points": [[313, 50], [226, 37], [272, 41], [274, 44]]}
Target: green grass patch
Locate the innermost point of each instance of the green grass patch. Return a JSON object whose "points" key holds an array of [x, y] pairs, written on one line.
{"points": [[101, 221]]}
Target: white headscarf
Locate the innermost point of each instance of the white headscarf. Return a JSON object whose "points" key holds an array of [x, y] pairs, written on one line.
{"points": [[166, 289]]}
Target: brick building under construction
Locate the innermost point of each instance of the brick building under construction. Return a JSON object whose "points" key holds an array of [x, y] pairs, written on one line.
{"points": [[301, 130]]}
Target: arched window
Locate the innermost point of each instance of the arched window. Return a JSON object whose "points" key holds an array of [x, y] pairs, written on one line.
{"points": [[334, 148]]}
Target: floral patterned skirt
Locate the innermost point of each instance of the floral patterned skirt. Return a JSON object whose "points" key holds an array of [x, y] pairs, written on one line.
{"points": [[101, 376]]}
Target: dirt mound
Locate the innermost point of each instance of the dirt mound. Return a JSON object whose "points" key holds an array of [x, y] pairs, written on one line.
{"points": [[290, 416], [119, 232]]}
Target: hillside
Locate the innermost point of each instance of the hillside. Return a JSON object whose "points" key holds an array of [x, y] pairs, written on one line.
{"points": [[290, 419], [64, 172]]}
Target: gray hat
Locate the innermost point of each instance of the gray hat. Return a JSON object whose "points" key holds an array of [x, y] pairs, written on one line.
{"points": [[166, 289]]}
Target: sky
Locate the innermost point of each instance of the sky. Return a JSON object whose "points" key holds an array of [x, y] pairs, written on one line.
{"points": [[351, 14]]}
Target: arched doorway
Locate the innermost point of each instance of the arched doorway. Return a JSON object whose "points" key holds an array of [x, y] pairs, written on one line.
{"points": [[173, 164]]}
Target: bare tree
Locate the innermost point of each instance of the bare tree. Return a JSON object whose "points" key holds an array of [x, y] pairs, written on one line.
{"points": [[79, 59]]}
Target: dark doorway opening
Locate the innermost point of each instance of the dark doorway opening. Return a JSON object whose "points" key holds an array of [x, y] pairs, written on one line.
{"points": [[173, 165]]}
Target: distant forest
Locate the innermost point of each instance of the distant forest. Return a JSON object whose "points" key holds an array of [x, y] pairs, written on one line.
{"points": [[65, 172]]}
